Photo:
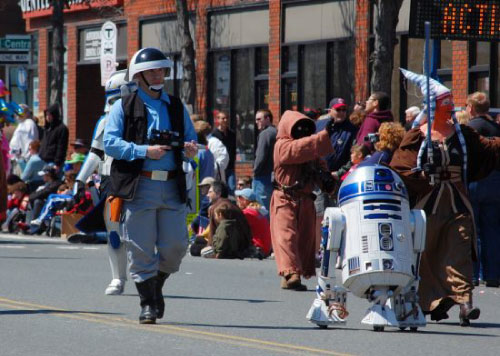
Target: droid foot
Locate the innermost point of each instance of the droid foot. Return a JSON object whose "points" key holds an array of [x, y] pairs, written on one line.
{"points": [[323, 315]]}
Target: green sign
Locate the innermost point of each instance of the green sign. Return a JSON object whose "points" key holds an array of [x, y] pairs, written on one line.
{"points": [[18, 44]]}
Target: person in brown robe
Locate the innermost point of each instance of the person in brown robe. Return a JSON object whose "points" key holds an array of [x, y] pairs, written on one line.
{"points": [[460, 154], [296, 171]]}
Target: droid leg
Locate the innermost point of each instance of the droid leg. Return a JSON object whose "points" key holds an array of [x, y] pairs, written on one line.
{"points": [[408, 310], [117, 256], [329, 306], [381, 313]]}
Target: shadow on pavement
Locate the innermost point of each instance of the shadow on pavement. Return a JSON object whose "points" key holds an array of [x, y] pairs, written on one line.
{"points": [[51, 311], [39, 258], [213, 298], [426, 332], [268, 327]]}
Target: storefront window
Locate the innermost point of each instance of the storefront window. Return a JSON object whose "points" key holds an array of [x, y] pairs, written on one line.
{"points": [[290, 59], [415, 64], [262, 61], [238, 85], [314, 77], [395, 82], [479, 66], [315, 73], [496, 103], [220, 82], [243, 113], [290, 101], [481, 53], [341, 75], [446, 55]]}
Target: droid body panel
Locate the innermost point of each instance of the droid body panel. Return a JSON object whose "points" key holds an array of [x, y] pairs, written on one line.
{"points": [[380, 242]]}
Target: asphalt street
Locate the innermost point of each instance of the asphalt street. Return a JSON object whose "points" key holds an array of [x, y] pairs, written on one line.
{"points": [[52, 302]]}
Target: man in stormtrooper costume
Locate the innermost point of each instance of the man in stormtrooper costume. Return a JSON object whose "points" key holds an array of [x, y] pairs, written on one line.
{"points": [[96, 159]]}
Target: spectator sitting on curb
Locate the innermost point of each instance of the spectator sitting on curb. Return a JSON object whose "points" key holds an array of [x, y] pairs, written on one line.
{"points": [[259, 225], [230, 239]]}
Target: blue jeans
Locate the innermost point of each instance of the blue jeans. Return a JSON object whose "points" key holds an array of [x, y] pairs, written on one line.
{"points": [[485, 200], [231, 181], [263, 189], [53, 203]]}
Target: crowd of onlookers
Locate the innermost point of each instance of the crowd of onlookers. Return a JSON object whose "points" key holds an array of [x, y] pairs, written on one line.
{"points": [[39, 177], [233, 221]]}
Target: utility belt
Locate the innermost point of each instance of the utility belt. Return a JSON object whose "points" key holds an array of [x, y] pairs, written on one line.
{"points": [[293, 191], [159, 175]]}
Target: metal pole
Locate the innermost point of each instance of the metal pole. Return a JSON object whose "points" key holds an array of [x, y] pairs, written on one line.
{"points": [[430, 157]]}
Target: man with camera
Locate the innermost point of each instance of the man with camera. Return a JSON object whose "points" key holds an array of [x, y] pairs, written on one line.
{"points": [[378, 110], [342, 136], [149, 178]]}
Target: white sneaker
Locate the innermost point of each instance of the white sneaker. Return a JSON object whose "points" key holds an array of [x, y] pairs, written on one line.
{"points": [[116, 287], [36, 222]]}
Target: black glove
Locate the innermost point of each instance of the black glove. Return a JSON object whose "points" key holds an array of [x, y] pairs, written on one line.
{"points": [[429, 169], [329, 126], [80, 191]]}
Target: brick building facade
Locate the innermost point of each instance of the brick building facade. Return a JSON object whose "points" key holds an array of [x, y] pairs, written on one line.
{"points": [[250, 54]]}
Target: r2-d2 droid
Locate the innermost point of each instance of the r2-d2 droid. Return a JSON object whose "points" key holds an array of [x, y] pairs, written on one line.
{"points": [[380, 242]]}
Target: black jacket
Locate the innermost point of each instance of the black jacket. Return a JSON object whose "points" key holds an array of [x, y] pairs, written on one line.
{"points": [[54, 144], [485, 126], [263, 164], [43, 193]]}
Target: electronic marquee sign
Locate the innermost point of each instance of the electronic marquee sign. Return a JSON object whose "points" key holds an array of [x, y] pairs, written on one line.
{"points": [[472, 20]]}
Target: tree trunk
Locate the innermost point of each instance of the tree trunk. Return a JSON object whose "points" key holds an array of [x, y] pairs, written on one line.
{"points": [[385, 40], [56, 85], [188, 82]]}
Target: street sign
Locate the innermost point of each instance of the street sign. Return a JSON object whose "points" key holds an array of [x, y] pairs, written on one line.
{"points": [[14, 58], [22, 78], [109, 34], [473, 20], [17, 43]]}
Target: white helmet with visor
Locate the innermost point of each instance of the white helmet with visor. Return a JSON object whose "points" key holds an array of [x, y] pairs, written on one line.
{"points": [[146, 59]]}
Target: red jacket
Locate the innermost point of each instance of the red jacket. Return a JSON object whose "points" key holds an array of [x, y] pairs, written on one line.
{"points": [[261, 233]]}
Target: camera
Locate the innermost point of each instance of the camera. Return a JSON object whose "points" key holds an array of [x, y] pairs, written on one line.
{"points": [[166, 137], [372, 137]]}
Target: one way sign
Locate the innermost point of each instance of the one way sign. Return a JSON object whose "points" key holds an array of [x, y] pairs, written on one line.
{"points": [[14, 58]]}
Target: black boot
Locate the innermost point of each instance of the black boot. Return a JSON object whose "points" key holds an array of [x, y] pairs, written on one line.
{"points": [[468, 313], [147, 291], [441, 311], [160, 303]]}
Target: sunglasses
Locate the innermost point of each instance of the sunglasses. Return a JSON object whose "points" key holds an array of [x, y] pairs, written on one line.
{"points": [[341, 110]]}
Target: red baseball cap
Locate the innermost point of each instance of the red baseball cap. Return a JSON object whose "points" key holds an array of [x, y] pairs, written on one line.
{"points": [[336, 103]]}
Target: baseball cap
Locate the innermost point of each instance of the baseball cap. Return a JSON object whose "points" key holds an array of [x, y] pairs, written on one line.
{"points": [[76, 158], [336, 103], [206, 181], [246, 193], [79, 143], [48, 168]]}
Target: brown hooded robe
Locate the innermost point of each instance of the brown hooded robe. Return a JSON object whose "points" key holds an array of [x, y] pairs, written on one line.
{"points": [[446, 263], [293, 218]]}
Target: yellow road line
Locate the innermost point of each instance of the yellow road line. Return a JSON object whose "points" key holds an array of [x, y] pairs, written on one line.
{"points": [[170, 329]]}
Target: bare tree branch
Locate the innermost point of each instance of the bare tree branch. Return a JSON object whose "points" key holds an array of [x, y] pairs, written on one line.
{"points": [[188, 82], [385, 41]]}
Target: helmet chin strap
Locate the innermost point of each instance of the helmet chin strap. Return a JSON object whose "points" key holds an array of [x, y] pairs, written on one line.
{"points": [[151, 87]]}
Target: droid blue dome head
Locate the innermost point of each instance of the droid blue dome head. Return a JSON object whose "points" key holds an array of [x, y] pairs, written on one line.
{"points": [[147, 59], [372, 182]]}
